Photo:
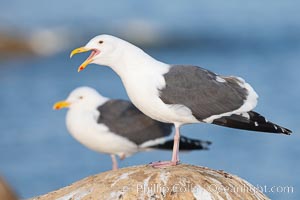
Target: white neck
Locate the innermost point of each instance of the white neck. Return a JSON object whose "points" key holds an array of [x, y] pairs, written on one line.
{"points": [[133, 59]]}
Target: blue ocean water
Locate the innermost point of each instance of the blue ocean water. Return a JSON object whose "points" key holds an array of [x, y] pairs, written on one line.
{"points": [[37, 155]]}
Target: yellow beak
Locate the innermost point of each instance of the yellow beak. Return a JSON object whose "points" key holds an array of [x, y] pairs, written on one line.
{"points": [[61, 104], [81, 50]]}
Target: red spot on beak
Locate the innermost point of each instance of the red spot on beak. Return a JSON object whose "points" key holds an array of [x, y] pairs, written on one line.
{"points": [[81, 68]]}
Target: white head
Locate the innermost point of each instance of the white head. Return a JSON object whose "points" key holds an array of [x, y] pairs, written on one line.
{"points": [[84, 98], [106, 50]]}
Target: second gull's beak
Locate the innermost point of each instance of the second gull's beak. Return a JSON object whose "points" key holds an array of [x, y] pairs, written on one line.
{"points": [[61, 104]]}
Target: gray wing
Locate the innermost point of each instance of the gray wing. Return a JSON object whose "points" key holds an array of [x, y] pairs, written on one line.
{"points": [[202, 91], [124, 119]]}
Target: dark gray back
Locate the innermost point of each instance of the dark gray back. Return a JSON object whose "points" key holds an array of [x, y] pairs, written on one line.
{"points": [[124, 119], [199, 90]]}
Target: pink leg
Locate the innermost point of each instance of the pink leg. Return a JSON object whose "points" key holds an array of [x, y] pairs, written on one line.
{"points": [[175, 154], [114, 162]]}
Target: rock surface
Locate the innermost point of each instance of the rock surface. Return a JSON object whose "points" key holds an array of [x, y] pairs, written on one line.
{"points": [[6, 192], [144, 182], [13, 46]]}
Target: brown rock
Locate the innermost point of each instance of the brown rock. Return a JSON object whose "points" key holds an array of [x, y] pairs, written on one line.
{"points": [[13, 46], [145, 182], [6, 192]]}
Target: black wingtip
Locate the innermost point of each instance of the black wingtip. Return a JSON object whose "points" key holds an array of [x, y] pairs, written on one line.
{"points": [[193, 144], [254, 122], [286, 131], [185, 144], [274, 128]]}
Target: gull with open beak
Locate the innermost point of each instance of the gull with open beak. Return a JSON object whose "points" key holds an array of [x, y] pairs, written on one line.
{"points": [[179, 94]]}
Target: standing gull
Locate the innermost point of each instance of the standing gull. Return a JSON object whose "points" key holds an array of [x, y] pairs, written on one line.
{"points": [[116, 127], [178, 94]]}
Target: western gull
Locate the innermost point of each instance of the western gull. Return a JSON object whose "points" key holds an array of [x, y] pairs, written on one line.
{"points": [[178, 94], [117, 127]]}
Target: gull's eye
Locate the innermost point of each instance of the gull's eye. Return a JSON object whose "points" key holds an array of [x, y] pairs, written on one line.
{"points": [[101, 41], [80, 97]]}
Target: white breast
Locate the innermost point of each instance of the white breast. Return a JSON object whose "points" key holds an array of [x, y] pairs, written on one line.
{"points": [[143, 78], [143, 90], [83, 127]]}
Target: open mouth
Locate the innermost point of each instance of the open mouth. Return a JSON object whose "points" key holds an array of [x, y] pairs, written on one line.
{"points": [[94, 52]]}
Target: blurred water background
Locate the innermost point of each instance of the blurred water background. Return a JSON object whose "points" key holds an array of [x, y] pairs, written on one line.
{"points": [[257, 40]]}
